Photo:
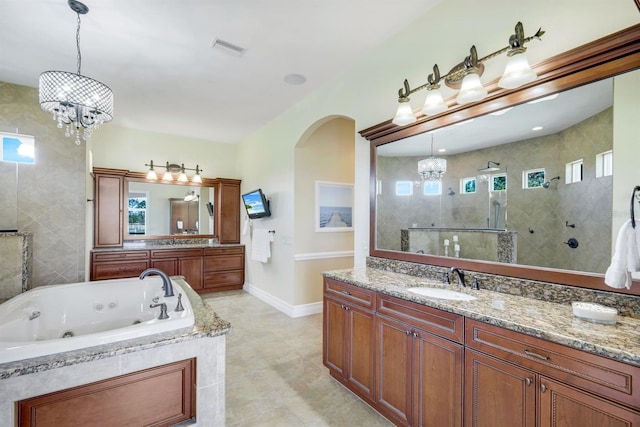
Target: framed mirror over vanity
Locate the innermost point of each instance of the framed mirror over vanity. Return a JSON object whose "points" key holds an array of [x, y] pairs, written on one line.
{"points": [[537, 181], [183, 228]]}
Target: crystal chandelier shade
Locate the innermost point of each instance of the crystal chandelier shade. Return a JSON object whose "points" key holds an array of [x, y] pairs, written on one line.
{"points": [[432, 168], [78, 102]]}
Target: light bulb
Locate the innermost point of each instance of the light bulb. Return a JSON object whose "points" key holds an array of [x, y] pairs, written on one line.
{"points": [[404, 114], [517, 72], [434, 103]]}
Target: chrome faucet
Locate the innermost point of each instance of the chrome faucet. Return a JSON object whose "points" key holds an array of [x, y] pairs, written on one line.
{"points": [[460, 276], [167, 287]]}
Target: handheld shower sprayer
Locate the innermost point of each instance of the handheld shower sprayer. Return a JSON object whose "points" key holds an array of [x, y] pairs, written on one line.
{"points": [[548, 183]]}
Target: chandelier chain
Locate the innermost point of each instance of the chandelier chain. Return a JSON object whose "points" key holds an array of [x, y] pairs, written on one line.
{"points": [[78, 44]]}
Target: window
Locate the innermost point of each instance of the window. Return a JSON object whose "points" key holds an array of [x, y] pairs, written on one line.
{"points": [[533, 178], [404, 188], [432, 188], [468, 185], [138, 213], [604, 164], [573, 172], [498, 182]]}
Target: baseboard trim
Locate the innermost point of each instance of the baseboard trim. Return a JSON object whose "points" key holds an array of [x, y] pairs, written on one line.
{"points": [[288, 309]]}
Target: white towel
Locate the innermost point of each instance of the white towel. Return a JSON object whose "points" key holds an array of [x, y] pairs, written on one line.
{"points": [[246, 226], [626, 257], [261, 245]]}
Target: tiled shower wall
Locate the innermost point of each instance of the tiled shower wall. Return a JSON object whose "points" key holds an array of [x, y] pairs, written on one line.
{"points": [[49, 197], [586, 204]]}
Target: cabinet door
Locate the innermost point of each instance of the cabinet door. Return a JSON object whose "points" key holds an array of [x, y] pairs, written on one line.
{"points": [[334, 336], [228, 213], [393, 369], [562, 405], [498, 393], [169, 266], [191, 269], [360, 349], [437, 381], [108, 211]]}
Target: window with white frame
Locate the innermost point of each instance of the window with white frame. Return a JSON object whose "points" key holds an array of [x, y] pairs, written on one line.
{"points": [[468, 185], [498, 182], [432, 188], [533, 178], [573, 171], [604, 164], [138, 213], [404, 188]]}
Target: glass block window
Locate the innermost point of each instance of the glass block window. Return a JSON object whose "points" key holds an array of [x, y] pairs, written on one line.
{"points": [[138, 213], [468, 185], [604, 164], [533, 178], [573, 171], [498, 182], [432, 188], [404, 188]]}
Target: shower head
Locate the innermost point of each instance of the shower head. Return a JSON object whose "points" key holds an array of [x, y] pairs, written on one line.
{"points": [[548, 183], [490, 168]]}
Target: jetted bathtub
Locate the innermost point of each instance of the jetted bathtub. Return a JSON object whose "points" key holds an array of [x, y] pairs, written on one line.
{"points": [[59, 318]]}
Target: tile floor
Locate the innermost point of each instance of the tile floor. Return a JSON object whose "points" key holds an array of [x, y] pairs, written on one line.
{"points": [[274, 372]]}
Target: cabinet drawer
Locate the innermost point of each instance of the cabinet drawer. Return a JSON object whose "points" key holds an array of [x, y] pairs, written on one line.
{"points": [[224, 262], [224, 250], [119, 255], [118, 270], [175, 253], [226, 278], [354, 294], [438, 322], [605, 377]]}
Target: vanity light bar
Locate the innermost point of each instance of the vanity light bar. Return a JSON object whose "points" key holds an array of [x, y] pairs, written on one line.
{"points": [[171, 169]]}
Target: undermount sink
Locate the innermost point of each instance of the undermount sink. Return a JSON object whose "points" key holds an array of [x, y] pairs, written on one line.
{"points": [[441, 293]]}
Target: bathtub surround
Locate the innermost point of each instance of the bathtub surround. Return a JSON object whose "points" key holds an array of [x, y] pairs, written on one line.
{"points": [[16, 263], [206, 342], [50, 196]]}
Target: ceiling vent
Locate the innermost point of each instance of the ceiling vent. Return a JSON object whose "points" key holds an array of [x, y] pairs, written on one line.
{"points": [[227, 47]]}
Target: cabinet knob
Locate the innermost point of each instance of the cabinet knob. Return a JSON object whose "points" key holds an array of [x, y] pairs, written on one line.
{"points": [[346, 307], [415, 335], [346, 292], [407, 333], [543, 388], [527, 381]]}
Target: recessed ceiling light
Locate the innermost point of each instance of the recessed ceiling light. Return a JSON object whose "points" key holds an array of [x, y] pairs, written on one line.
{"points": [[295, 79], [442, 150], [546, 98], [536, 128], [500, 112]]}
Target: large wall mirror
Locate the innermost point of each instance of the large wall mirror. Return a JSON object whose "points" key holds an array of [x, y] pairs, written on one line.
{"points": [[530, 173], [165, 209]]}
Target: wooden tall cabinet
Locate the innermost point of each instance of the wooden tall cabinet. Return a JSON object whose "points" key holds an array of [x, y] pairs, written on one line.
{"points": [[349, 336], [109, 209], [227, 221]]}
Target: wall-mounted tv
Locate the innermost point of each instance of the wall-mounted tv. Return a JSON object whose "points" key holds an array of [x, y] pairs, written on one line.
{"points": [[256, 204]]}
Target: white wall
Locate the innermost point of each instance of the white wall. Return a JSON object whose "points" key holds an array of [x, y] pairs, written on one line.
{"points": [[368, 92]]}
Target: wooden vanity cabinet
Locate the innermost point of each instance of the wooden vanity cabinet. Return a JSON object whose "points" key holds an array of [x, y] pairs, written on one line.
{"points": [[227, 221], [543, 383], [118, 264], [348, 336], [419, 364], [183, 262], [223, 268]]}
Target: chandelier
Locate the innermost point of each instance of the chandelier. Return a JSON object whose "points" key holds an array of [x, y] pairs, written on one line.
{"points": [[466, 78], [78, 102], [432, 168]]}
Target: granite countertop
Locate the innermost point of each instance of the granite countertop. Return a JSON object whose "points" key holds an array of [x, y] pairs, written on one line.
{"points": [[207, 324], [551, 321], [146, 246]]}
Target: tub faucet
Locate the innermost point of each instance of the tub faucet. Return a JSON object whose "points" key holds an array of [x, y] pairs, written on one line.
{"points": [[167, 287], [460, 276]]}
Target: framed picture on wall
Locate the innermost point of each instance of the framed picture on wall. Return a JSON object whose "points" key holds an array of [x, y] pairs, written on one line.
{"points": [[334, 206]]}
